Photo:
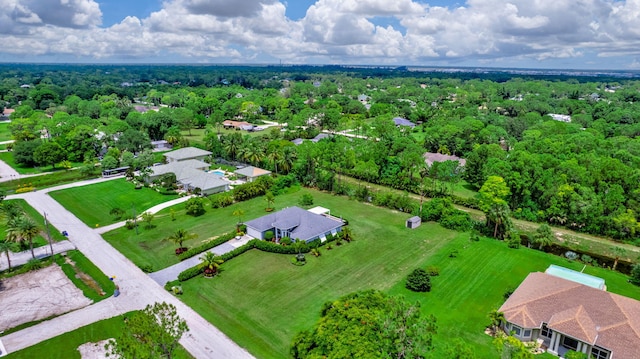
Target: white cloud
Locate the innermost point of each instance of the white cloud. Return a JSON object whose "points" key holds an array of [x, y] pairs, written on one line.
{"points": [[332, 31]]}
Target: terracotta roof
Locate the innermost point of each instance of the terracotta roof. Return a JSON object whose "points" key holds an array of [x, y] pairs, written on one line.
{"points": [[595, 316], [251, 171]]}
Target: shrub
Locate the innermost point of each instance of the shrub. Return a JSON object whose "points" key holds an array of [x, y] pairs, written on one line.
{"points": [[286, 241], [190, 273], [171, 284], [130, 224], [635, 274], [433, 271], [221, 200], [419, 281], [276, 248], [268, 236], [457, 221], [306, 200], [147, 268], [25, 189], [514, 241], [176, 289], [296, 262], [238, 251], [195, 206], [571, 354], [33, 264], [571, 255]]}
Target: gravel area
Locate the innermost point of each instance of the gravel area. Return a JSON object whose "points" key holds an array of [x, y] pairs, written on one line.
{"points": [[93, 350], [38, 295]]}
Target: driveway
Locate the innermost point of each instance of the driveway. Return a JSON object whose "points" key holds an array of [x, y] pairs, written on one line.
{"points": [[137, 290]]}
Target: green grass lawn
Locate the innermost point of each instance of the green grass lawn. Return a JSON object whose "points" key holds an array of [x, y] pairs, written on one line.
{"points": [[279, 299], [93, 203], [7, 157], [198, 134], [5, 133], [65, 346], [150, 249]]}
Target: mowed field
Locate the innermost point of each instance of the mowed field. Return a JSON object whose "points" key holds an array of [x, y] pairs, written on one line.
{"points": [[261, 301], [93, 203]]}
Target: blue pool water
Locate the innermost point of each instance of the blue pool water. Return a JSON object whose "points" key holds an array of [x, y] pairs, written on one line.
{"points": [[217, 172], [575, 276]]}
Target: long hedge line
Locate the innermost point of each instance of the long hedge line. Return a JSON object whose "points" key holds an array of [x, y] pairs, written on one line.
{"points": [[206, 246], [254, 243]]}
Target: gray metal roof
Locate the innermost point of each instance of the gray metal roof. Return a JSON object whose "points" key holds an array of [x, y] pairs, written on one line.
{"points": [[205, 181], [309, 225], [181, 169], [399, 121], [186, 153]]}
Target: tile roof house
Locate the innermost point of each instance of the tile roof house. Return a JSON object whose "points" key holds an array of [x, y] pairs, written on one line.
{"points": [[186, 153], [568, 315], [251, 173], [190, 174], [295, 223]]}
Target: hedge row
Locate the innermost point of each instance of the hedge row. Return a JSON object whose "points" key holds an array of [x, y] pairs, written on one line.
{"points": [[197, 270], [277, 248], [206, 246]]}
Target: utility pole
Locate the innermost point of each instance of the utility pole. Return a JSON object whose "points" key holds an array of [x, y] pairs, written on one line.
{"points": [[46, 223], [135, 218]]}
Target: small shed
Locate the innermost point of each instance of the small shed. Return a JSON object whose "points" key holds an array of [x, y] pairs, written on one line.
{"points": [[414, 222]]}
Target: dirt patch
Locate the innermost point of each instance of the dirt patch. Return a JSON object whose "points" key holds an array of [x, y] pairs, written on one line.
{"points": [[93, 350], [38, 295]]}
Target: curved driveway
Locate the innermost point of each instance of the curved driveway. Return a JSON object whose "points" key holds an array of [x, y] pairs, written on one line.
{"points": [[137, 290]]}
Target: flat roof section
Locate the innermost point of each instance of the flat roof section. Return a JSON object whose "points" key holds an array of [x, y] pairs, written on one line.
{"points": [[575, 276]]}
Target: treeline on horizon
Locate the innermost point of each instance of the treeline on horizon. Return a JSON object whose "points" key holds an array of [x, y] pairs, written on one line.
{"points": [[584, 175]]}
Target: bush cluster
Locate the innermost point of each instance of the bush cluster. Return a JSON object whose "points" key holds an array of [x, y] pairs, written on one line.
{"points": [[221, 200], [253, 189], [199, 269], [419, 281], [277, 248]]}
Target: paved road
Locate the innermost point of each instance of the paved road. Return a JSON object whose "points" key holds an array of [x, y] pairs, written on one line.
{"points": [[137, 290], [23, 257], [171, 273]]}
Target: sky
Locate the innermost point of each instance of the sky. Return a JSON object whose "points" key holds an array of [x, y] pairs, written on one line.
{"points": [[547, 34]]}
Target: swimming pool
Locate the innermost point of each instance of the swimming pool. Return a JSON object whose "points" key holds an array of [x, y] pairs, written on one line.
{"points": [[576, 276], [217, 172]]}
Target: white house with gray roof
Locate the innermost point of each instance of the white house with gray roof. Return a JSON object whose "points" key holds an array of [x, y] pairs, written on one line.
{"points": [[191, 174], [295, 223], [186, 153]]}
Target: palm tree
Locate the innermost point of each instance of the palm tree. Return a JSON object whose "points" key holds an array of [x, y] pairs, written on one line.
{"points": [[211, 263], [238, 213], [26, 229], [10, 210], [179, 236], [346, 234], [496, 317], [7, 246], [543, 236], [274, 157], [498, 214], [288, 158], [270, 199]]}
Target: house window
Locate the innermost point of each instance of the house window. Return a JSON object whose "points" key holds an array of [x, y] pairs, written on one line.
{"points": [[599, 353], [527, 333], [545, 331], [570, 343], [516, 330]]}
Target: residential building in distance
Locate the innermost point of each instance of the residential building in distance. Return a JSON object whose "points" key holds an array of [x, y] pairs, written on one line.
{"points": [[295, 223]]}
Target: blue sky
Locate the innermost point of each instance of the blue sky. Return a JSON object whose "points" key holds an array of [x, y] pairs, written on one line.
{"points": [[593, 34]]}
